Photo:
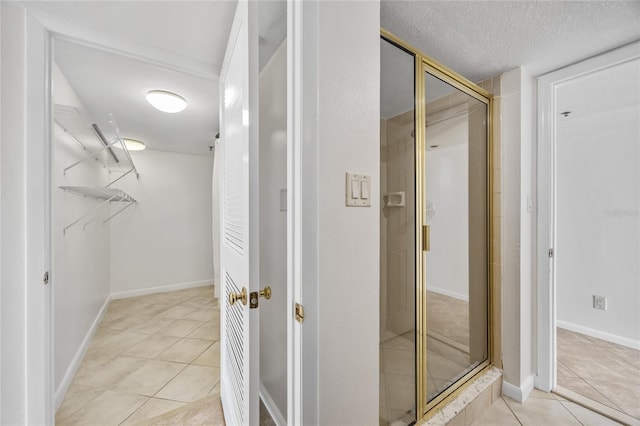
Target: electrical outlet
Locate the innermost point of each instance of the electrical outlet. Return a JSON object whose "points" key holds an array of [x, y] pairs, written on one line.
{"points": [[599, 302]]}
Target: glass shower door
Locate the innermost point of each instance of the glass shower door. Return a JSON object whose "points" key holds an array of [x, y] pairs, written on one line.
{"points": [[456, 220], [397, 236]]}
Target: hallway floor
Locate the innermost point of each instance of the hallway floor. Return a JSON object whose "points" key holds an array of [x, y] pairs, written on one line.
{"points": [[539, 409], [151, 355], [602, 371]]}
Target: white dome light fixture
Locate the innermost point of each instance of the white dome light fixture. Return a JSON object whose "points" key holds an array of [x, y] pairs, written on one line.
{"points": [[132, 144], [166, 101]]}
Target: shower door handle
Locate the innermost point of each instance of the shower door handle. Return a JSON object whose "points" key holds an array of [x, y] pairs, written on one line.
{"points": [[426, 238]]}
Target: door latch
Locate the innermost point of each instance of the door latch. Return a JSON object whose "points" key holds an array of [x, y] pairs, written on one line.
{"points": [[299, 313], [254, 295], [46, 278]]}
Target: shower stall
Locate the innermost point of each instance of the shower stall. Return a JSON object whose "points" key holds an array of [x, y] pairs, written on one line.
{"points": [[435, 289]]}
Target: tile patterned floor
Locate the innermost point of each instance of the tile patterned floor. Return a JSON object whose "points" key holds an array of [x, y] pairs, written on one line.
{"points": [[151, 355], [602, 371], [599, 370], [540, 409]]}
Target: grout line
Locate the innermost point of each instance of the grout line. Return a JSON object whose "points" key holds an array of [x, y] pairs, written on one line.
{"points": [[512, 412]]}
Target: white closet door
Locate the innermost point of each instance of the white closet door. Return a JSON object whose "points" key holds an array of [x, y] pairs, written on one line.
{"points": [[239, 220]]}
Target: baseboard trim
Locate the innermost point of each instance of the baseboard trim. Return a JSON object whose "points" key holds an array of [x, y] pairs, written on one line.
{"points": [[271, 406], [77, 359], [603, 335], [161, 289], [518, 393]]}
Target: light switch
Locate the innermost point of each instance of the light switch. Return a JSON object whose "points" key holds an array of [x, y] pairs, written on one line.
{"points": [[355, 189], [358, 190], [364, 192]]}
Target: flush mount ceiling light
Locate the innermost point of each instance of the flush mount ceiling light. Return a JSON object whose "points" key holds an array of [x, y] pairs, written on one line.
{"points": [[132, 144], [166, 101]]}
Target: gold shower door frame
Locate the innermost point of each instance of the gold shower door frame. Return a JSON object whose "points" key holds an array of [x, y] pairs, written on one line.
{"points": [[424, 65]]}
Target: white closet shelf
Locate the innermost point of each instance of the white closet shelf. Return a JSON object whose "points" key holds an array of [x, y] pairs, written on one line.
{"points": [[94, 142], [111, 194], [108, 195]]}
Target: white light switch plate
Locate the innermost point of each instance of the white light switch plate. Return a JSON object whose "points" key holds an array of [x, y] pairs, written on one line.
{"points": [[354, 195]]}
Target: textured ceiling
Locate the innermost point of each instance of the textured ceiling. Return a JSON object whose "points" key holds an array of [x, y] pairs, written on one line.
{"points": [[481, 39]]}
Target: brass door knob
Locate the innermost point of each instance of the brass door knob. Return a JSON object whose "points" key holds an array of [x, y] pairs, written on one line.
{"points": [[242, 296], [266, 292]]}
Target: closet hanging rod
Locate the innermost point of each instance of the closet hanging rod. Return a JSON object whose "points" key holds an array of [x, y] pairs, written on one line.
{"points": [[104, 141], [118, 212], [100, 206]]}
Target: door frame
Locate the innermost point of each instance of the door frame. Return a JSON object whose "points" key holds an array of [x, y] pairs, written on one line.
{"points": [[546, 377], [42, 30]]}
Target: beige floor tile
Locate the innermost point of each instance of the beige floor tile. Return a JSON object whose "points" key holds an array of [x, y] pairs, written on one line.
{"points": [[624, 395], [592, 362], [150, 378], [93, 359], [127, 322], [498, 414], [109, 373], [203, 314], [152, 408], [583, 388], [152, 346], [540, 411], [177, 312], [564, 371], [185, 350], [77, 396], [153, 326], [207, 411], [193, 383], [180, 328], [537, 393], [210, 357], [197, 301], [208, 331], [115, 342], [588, 417], [110, 408], [153, 309], [629, 355]]}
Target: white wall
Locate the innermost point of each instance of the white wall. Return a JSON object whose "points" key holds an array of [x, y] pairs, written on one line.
{"points": [[81, 257], [448, 189], [516, 119], [273, 232], [164, 240], [598, 197], [348, 140], [26, 386], [12, 222]]}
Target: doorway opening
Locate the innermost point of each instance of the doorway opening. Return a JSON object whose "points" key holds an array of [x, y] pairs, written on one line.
{"points": [[589, 196]]}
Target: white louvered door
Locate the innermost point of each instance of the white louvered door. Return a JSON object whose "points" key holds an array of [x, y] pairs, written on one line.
{"points": [[239, 350]]}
